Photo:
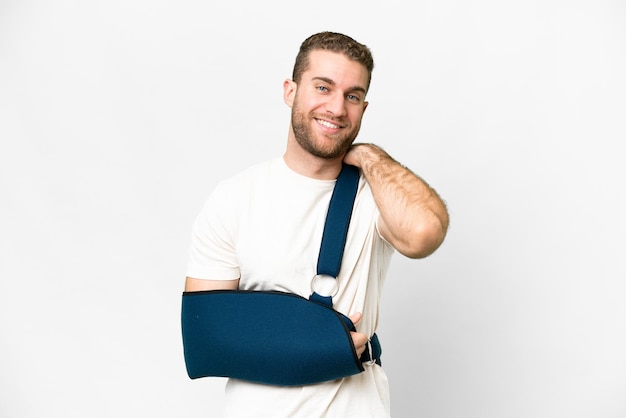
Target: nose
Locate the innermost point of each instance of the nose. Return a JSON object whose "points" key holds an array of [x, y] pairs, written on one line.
{"points": [[336, 105]]}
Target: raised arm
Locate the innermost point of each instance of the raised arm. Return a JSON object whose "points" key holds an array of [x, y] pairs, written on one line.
{"points": [[412, 216]]}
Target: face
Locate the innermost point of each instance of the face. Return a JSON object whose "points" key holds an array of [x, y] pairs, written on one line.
{"points": [[327, 104]]}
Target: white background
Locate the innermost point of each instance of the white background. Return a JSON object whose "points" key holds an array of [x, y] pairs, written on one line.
{"points": [[118, 117]]}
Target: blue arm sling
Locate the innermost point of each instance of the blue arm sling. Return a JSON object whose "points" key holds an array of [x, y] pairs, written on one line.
{"points": [[279, 338]]}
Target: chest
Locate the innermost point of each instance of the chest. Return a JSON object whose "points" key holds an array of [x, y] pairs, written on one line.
{"points": [[278, 240]]}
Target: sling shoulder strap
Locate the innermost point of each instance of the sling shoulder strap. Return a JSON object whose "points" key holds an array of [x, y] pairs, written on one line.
{"points": [[336, 226], [334, 241]]}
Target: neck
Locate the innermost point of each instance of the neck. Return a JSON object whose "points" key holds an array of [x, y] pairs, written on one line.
{"points": [[306, 164]]}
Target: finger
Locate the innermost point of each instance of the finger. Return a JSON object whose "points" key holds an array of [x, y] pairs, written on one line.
{"points": [[359, 342], [355, 318]]}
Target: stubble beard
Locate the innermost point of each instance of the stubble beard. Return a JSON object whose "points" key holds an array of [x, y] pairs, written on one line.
{"points": [[304, 135]]}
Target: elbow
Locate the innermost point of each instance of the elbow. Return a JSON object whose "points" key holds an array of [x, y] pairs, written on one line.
{"points": [[423, 240]]}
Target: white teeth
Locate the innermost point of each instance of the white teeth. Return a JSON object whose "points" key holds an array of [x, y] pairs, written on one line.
{"points": [[327, 124]]}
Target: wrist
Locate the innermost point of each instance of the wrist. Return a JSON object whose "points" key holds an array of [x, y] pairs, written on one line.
{"points": [[371, 156]]}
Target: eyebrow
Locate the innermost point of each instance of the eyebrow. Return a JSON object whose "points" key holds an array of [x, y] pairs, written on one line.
{"points": [[332, 83]]}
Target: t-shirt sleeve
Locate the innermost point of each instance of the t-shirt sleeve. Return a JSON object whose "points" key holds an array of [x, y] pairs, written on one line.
{"points": [[212, 254], [376, 213]]}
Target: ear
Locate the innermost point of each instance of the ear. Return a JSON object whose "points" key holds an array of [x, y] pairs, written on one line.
{"points": [[289, 92], [365, 106]]}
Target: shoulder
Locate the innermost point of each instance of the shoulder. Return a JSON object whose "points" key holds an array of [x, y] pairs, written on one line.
{"points": [[364, 193], [230, 196]]}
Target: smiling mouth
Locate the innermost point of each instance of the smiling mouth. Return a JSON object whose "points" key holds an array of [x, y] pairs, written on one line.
{"points": [[328, 124]]}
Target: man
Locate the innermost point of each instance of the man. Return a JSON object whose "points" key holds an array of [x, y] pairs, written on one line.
{"points": [[261, 229]]}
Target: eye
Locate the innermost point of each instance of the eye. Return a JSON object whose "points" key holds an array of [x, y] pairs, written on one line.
{"points": [[353, 98], [322, 89]]}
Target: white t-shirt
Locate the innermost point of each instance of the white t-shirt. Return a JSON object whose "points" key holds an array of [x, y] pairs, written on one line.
{"points": [[264, 226]]}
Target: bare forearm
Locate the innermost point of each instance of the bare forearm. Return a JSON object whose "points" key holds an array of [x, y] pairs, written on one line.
{"points": [[413, 218], [196, 285]]}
